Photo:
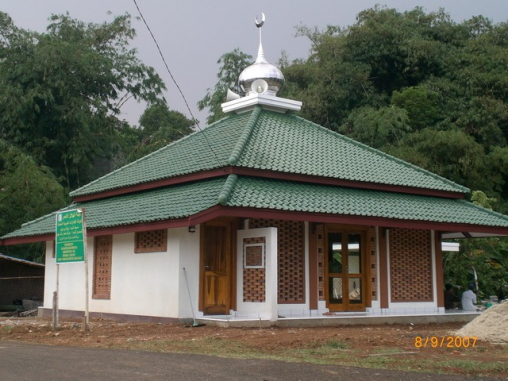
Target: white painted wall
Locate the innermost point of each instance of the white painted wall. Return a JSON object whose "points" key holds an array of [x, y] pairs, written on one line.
{"points": [[267, 309], [150, 284], [188, 258], [71, 280], [49, 276]]}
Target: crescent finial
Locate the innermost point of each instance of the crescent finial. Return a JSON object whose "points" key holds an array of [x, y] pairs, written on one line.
{"points": [[259, 24]]}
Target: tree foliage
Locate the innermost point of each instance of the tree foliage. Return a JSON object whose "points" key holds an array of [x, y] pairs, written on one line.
{"points": [[62, 90], [27, 191], [159, 126], [417, 85], [232, 64]]}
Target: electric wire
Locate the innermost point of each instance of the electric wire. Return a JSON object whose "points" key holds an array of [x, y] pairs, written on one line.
{"points": [[176, 84]]}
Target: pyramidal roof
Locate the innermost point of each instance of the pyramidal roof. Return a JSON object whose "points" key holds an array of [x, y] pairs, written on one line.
{"points": [[264, 160], [271, 141], [262, 133]]}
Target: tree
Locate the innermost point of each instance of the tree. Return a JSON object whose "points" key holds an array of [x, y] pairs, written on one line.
{"points": [[377, 127], [62, 90], [421, 105], [27, 191], [482, 261], [159, 127], [232, 65]]}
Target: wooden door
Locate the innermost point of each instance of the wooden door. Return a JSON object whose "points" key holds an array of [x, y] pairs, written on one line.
{"points": [[216, 262], [346, 270]]}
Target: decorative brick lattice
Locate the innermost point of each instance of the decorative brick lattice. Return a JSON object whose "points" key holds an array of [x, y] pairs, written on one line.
{"points": [[321, 261], [102, 261], [254, 256], [254, 279], [290, 258], [371, 236], [410, 265], [151, 241]]}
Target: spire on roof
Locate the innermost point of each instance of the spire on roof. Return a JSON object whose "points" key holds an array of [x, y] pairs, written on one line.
{"points": [[261, 81], [261, 77]]}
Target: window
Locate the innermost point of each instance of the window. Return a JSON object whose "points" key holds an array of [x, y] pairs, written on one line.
{"points": [[102, 260], [151, 241]]}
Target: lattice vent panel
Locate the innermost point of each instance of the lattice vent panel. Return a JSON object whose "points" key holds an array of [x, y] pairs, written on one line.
{"points": [[321, 261], [410, 265], [254, 280], [102, 263], [290, 258], [151, 241], [371, 236]]}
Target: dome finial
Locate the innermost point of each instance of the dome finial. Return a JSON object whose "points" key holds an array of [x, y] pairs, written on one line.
{"points": [[259, 24], [261, 77], [261, 54]]}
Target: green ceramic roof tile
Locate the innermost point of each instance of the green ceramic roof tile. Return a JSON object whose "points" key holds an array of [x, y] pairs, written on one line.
{"points": [[301, 197], [181, 201], [161, 204], [288, 143], [188, 155], [273, 141]]}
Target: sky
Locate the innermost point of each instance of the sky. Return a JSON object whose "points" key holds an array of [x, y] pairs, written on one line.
{"points": [[194, 34]]}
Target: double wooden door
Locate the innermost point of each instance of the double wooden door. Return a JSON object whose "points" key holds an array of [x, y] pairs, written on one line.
{"points": [[345, 260]]}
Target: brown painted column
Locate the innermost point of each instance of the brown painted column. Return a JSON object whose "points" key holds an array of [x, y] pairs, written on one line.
{"points": [[439, 269], [383, 268], [313, 267]]}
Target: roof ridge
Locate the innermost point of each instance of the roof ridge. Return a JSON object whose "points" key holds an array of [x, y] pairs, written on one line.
{"points": [[388, 156], [123, 167], [244, 138], [227, 189]]}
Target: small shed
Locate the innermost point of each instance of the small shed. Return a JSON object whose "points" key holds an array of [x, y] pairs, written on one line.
{"points": [[20, 279]]}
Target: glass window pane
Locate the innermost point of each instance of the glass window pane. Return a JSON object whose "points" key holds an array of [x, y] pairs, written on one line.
{"points": [[335, 253], [355, 290], [354, 254], [335, 290]]}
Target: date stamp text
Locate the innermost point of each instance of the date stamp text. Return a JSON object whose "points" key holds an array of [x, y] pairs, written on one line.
{"points": [[445, 342]]}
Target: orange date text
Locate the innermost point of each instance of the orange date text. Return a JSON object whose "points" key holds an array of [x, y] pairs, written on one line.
{"points": [[445, 342]]}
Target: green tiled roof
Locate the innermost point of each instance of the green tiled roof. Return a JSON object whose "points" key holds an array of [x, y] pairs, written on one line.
{"points": [[288, 143], [181, 201], [269, 140], [188, 155], [301, 197], [160, 204]]}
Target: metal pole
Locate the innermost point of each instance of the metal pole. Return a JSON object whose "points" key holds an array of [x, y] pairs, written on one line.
{"points": [[55, 299]]}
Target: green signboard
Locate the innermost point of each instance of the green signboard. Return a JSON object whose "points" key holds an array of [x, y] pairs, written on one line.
{"points": [[70, 236]]}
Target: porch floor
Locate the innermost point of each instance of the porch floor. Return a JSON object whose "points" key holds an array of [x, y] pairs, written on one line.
{"points": [[315, 319]]}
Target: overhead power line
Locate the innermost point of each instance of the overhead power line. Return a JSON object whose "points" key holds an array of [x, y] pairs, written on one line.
{"points": [[174, 81]]}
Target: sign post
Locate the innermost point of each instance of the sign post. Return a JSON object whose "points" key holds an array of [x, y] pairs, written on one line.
{"points": [[70, 246]]}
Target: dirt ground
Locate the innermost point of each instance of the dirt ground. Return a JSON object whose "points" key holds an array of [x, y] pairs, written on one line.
{"points": [[406, 347]]}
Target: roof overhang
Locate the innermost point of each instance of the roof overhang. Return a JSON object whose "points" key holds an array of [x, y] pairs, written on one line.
{"points": [[448, 230]]}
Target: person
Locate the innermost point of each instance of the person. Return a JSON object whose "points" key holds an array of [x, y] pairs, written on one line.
{"points": [[469, 299], [451, 300]]}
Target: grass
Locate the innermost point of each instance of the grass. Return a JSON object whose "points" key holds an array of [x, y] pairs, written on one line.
{"points": [[473, 367], [331, 352], [335, 344]]}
